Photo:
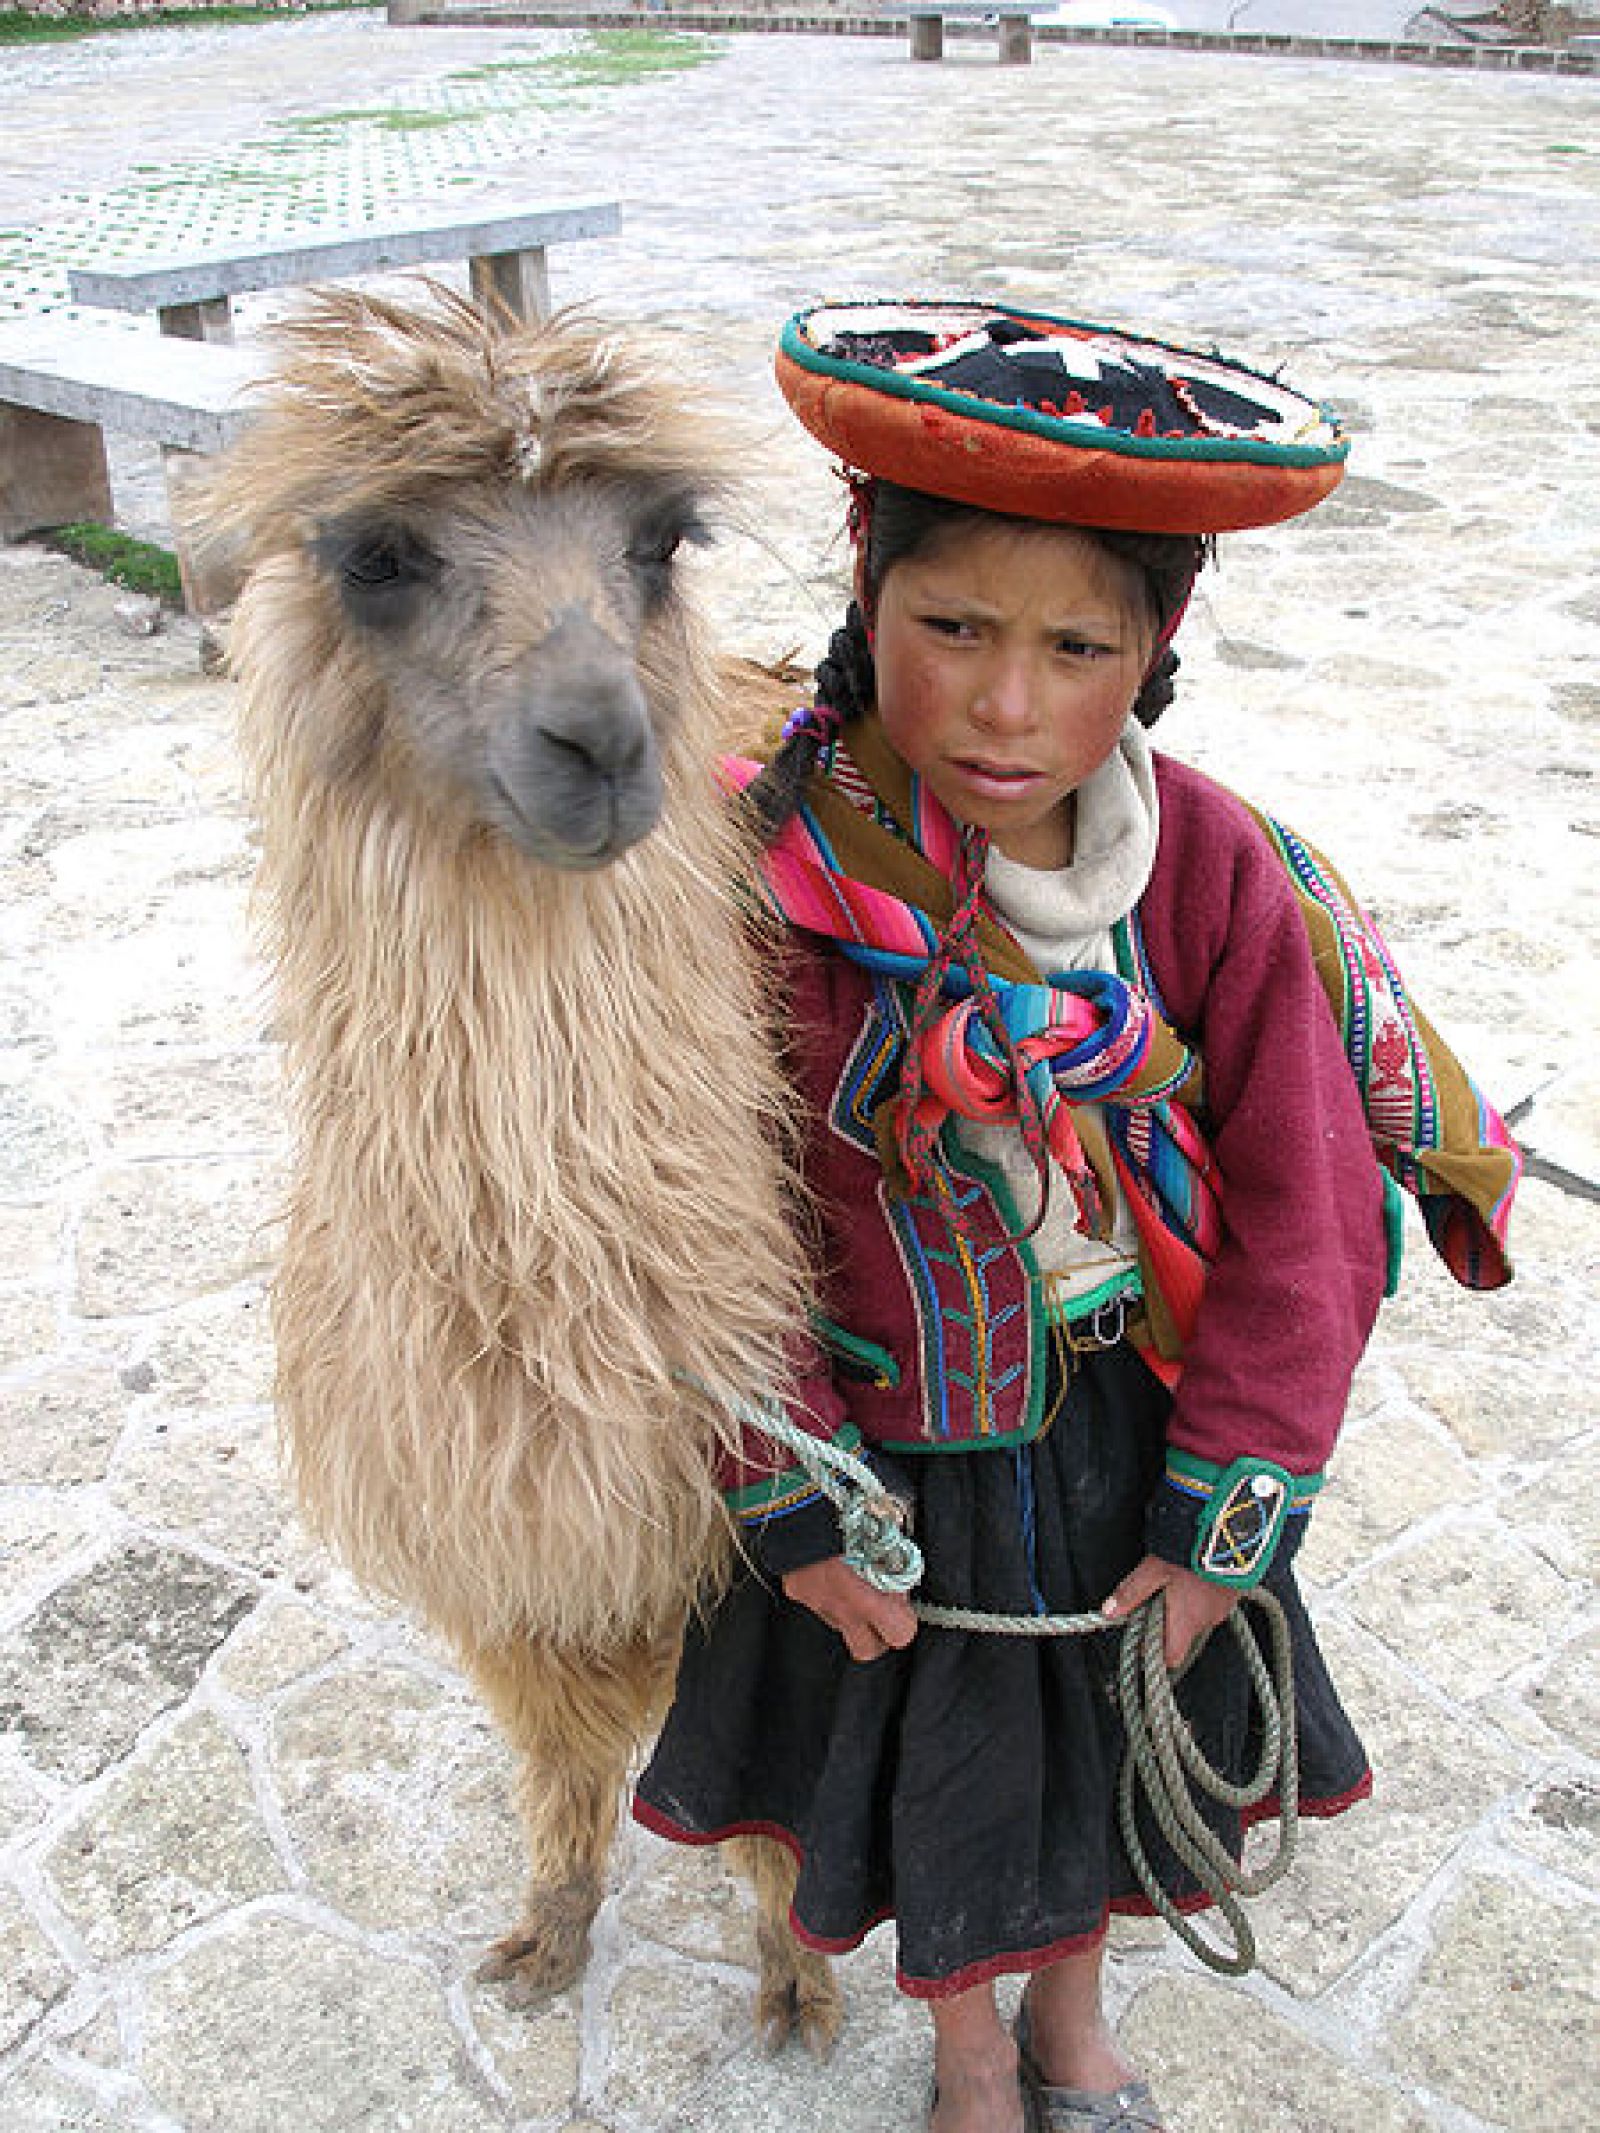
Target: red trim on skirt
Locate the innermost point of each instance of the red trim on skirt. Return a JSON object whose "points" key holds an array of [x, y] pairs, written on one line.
{"points": [[1016, 1962]]}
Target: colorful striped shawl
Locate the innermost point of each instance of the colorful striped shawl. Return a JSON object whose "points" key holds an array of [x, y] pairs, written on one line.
{"points": [[873, 862], [1434, 1131]]}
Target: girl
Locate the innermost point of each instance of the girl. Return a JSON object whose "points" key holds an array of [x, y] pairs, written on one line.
{"points": [[1101, 1346]]}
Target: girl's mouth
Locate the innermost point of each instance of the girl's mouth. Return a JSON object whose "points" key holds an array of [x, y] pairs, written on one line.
{"points": [[995, 777]]}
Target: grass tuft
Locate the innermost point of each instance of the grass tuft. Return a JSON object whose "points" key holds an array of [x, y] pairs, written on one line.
{"points": [[618, 56], [607, 59], [137, 566], [19, 28]]}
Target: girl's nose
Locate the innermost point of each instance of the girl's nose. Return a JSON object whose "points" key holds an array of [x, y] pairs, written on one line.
{"points": [[1003, 703]]}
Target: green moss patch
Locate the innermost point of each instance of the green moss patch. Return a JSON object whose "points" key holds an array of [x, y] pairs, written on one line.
{"points": [[606, 59], [614, 57], [139, 566], [391, 121], [18, 28]]}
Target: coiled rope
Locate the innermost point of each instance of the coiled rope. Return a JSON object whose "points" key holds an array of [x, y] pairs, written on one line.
{"points": [[1163, 1759]]}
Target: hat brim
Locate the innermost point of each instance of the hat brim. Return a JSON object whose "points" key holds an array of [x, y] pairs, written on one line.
{"points": [[1072, 469]]}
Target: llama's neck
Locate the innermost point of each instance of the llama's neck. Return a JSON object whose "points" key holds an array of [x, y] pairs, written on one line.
{"points": [[534, 1193], [527, 1078]]}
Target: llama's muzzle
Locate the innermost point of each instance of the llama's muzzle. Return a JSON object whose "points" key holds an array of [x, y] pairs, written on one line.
{"points": [[574, 770]]}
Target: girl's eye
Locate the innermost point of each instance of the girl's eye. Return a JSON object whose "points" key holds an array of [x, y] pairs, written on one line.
{"points": [[946, 626], [1083, 648]]}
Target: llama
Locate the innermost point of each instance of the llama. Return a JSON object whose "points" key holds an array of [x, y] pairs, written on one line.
{"points": [[537, 1238]]}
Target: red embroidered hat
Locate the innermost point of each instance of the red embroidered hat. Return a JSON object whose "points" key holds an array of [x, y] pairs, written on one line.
{"points": [[1049, 418]]}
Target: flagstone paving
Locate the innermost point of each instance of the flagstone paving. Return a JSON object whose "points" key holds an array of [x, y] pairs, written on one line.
{"points": [[253, 1830]]}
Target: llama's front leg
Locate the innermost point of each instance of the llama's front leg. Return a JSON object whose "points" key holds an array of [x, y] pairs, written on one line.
{"points": [[576, 1724], [797, 1993]]}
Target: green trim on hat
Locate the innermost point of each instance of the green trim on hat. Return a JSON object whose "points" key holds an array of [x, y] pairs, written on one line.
{"points": [[1068, 428]]}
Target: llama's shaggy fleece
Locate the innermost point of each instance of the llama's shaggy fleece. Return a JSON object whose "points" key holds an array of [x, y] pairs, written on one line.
{"points": [[537, 1237]]}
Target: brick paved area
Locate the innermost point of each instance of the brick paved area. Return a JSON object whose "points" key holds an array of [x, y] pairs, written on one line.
{"points": [[252, 1832]]}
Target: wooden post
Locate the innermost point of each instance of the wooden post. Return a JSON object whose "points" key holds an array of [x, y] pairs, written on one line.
{"points": [[52, 472], [927, 37], [1016, 41], [520, 280], [211, 320]]}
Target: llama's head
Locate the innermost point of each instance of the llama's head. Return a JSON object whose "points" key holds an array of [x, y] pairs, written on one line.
{"points": [[479, 526]]}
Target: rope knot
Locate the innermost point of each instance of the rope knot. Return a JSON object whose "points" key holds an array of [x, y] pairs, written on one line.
{"points": [[877, 1545]]}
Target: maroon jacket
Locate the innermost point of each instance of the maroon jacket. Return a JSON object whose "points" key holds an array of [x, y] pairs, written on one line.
{"points": [[928, 1347]]}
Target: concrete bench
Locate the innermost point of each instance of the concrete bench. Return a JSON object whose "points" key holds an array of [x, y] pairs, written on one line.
{"points": [[506, 255], [64, 382], [1015, 18]]}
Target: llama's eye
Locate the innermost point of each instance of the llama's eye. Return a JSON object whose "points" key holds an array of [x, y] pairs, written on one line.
{"points": [[655, 549], [375, 569], [655, 544], [372, 565], [659, 549], [383, 561]]}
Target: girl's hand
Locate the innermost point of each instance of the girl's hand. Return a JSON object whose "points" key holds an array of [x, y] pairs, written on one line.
{"points": [[1195, 1606], [871, 1622]]}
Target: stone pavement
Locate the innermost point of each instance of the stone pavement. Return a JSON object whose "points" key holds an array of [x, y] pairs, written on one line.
{"points": [[253, 1832]]}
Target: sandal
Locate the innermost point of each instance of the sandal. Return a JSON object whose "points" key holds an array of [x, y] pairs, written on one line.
{"points": [[1130, 2109], [1032, 2117]]}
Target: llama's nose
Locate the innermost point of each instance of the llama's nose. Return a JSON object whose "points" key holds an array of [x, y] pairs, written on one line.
{"points": [[585, 700], [601, 731], [575, 775]]}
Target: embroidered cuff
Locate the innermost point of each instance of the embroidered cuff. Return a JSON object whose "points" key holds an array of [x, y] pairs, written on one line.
{"points": [[807, 1533], [784, 1519], [768, 1491], [1226, 1523]]}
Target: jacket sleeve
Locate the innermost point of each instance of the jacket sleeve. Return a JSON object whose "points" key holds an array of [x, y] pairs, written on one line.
{"points": [[784, 1518], [1294, 1290]]}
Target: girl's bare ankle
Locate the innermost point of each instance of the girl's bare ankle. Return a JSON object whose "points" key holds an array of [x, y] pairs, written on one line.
{"points": [[986, 2061], [977, 2091], [1072, 2046]]}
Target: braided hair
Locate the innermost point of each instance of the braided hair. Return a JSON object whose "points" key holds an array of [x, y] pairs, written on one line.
{"points": [[895, 525]]}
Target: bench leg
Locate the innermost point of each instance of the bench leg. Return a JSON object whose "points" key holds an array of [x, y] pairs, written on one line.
{"points": [[1016, 41], [52, 472], [520, 280], [211, 320], [213, 581], [927, 37]]}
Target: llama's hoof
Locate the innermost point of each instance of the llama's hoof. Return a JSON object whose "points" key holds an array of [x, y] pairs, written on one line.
{"points": [[533, 1966], [809, 2009], [547, 1952]]}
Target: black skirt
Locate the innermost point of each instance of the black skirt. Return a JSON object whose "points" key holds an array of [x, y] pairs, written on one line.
{"points": [[965, 1786]]}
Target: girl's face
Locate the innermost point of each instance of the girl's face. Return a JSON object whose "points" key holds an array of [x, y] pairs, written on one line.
{"points": [[1008, 658]]}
